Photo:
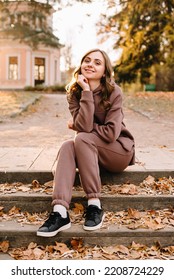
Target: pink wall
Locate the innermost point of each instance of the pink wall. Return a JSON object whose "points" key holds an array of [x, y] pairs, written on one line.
{"points": [[26, 65]]}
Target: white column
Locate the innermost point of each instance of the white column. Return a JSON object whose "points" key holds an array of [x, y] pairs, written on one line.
{"points": [[52, 74], [32, 69], [28, 68], [47, 82]]}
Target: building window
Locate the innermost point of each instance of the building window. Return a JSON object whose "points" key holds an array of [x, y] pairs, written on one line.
{"points": [[39, 70], [13, 68]]}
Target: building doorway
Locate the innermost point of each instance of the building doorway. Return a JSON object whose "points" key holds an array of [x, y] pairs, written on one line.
{"points": [[39, 71]]}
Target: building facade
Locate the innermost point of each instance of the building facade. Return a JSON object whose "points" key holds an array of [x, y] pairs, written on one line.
{"points": [[21, 63]]}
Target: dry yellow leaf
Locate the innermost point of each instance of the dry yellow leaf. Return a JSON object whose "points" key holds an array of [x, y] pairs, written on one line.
{"points": [[78, 208], [14, 210], [133, 213], [61, 247], [4, 246]]}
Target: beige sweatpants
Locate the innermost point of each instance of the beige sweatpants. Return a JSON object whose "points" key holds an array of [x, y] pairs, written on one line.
{"points": [[87, 152]]}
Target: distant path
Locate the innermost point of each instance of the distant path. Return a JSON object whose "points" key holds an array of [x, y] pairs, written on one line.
{"points": [[45, 125]]}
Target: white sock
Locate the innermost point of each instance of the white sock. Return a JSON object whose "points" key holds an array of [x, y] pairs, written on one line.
{"points": [[61, 209], [94, 201]]}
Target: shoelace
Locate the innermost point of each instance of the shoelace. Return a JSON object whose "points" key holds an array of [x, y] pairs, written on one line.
{"points": [[91, 213], [52, 219]]}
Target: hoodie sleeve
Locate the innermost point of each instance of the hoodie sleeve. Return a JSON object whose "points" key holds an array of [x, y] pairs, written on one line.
{"points": [[82, 112], [111, 129]]}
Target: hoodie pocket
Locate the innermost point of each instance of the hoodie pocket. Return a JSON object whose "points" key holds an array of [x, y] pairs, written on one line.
{"points": [[126, 143]]}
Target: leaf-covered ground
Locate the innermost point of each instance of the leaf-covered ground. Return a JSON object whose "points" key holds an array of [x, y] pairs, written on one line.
{"points": [[153, 105], [131, 218], [77, 250], [13, 103], [149, 186]]}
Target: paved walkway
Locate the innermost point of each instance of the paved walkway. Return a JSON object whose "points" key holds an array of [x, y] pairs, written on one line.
{"points": [[27, 141], [44, 159]]}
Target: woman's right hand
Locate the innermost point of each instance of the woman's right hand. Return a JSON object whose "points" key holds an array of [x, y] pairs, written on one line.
{"points": [[70, 123], [83, 82]]}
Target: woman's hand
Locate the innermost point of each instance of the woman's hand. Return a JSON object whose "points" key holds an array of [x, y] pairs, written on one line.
{"points": [[83, 82], [70, 123]]}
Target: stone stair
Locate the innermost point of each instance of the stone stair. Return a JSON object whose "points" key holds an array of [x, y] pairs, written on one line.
{"points": [[22, 234]]}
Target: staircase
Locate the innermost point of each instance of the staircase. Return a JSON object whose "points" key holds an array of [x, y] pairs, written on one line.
{"points": [[113, 231]]}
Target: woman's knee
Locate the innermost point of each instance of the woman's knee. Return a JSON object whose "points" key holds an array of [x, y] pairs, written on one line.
{"points": [[67, 145], [81, 137]]}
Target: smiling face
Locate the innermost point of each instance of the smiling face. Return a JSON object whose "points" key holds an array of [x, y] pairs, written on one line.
{"points": [[93, 66]]}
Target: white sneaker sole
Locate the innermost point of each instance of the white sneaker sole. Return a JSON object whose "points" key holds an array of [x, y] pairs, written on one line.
{"points": [[53, 233], [96, 227]]}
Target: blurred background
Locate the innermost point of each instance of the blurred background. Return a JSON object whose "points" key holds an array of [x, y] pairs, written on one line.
{"points": [[41, 42]]}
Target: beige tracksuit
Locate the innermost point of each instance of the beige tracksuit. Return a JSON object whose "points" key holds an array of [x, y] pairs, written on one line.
{"points": [[101, 140]]}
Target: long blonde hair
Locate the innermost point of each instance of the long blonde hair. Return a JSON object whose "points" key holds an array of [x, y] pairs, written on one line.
{"points": [[107, 81]]}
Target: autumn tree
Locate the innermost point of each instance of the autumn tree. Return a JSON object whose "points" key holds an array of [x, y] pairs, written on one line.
{"points": [[143, 30]]}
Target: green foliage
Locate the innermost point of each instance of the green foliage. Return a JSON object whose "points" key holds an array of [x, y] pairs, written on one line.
{"points": [[47, 89], [144, 32]]}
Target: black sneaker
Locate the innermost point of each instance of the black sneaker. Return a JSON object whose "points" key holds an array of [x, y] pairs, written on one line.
{"points": [[53, 225], [94, 217]]}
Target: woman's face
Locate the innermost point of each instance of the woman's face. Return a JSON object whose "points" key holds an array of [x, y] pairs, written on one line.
{"points": [[93, 66]]}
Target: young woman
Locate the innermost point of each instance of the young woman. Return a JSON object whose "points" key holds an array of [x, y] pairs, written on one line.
{"points": [[95, 103]]}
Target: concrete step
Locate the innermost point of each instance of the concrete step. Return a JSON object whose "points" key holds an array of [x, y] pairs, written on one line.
{"points": [[38, 163], [19, 236], [5, 256], [36, 202], [132, 174], [22, 234]]}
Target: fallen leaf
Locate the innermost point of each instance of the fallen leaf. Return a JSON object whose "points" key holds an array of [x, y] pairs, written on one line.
{"points": [[149, 180], [61, 247], [122, 249], [138, 247], [133, 213], [134, 225], [76, 243], [109, 250], [108, 257], [170, 249], [153, 253], [28, 254], [14, 210], [4, 246], [35, 184], [1, 211], [165, 221], [152, 212], [38, 253], [49, 249], [24, 189], [158, 220], [49, 184], [153, 225], [128, 189], [171, 222], [32, 245], [79, 208], [135, 255]]}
